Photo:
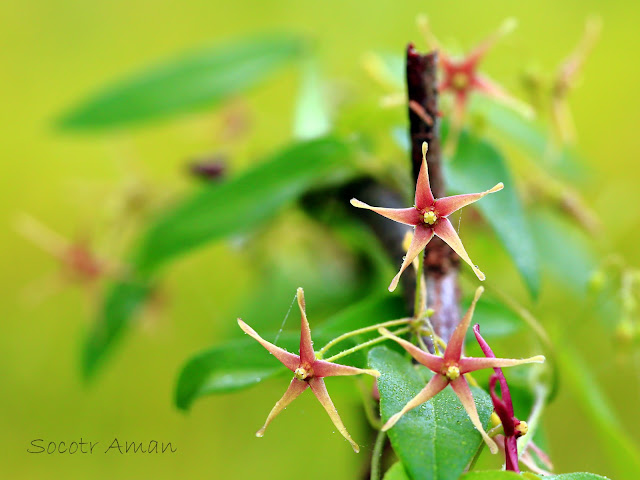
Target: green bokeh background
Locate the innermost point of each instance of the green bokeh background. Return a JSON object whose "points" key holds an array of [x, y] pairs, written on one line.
{"points": [[55, 52]]}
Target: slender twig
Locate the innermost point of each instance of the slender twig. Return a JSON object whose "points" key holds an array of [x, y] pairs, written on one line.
{"points": [[370, 328], [541, 394], [366, 344], [376, 456]]}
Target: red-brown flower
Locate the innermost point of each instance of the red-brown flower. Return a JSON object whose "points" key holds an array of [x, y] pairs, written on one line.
{"points": [[460, 77], [450, 370], [429, 217], [308, 372]]}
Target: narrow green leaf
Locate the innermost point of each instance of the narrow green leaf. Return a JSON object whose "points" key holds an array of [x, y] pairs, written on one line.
{"points": [[491, 475], [565, 252], [244, 362], [496, 320], [122, 301], [436, 440], [478, 166], [245, 202], [396, 472], [312, 118], [190, 82], [238, 205]]}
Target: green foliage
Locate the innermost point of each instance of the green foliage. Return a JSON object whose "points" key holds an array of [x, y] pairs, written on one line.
{"points": [[491, 475], [478, 166], [436, 440], [215, 212], [496, 320], [312, 118], [396, 472], [244, 362], [191, 82]]}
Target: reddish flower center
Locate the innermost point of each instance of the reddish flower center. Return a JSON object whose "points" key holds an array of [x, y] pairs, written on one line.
{"points": [[460, 81]]}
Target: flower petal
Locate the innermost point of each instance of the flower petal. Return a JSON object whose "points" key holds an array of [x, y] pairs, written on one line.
{"points": [[307, 355], [481, 50], [446, 232], [495, 91], [453, 352], [421, 236], [432, 362], [408, 216], [445, 206], [322, 368], [296, 387], [432, 388], [424, 196], [503, 409], [320, 390], [289, 360], [511, 454], [461, 387], [471, 364]]}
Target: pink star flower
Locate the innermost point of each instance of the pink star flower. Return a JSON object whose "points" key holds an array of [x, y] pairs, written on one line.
{"points": [[308, 372], [429, 217], [450, 370]]}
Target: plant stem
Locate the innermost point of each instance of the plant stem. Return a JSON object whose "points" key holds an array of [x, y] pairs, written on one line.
{"points": [[370, 328], [541, 394], [349, 351], [376, 456], [420, 303], [369, 405]]}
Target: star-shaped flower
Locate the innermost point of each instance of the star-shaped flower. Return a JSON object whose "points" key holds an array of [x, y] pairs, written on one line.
{"points": [[308, 372], [450, 370], [429, 217], [460, 77], [513, 428]]}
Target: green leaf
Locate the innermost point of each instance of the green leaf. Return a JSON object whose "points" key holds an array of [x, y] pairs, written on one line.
{"points": [[396, 472], [496, 320], [574, 476], [245, 202], [478, 166], [238, 205], [565, 252], [436, 440], [190, 82], [491, 475], [312, 119], [122, 301], [244, 362]]}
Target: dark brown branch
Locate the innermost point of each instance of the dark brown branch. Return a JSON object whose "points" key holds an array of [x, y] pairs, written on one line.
{"points": [[441, 263]]}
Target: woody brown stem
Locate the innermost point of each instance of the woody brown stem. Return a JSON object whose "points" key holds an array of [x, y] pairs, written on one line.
{"points": [[441, 263]]}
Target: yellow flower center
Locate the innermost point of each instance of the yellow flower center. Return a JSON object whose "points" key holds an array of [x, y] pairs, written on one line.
{"points": [[460, 81], [522, 428], [453, 372], [301, 373], [430, 217]]}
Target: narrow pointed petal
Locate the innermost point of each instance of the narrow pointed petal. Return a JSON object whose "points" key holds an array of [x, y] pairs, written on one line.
{"points": [[328, 369], [544, 458], [453, 352], [446, 232], [472, 364], [289, 360], [408, 216], [511, 454], [447, 205], [432, 362], [495, 91], [481, 50], [296, 387], [527, 460], [503, 409], [461, 387], [424, 197], [421, 236], [436, 385], [320, 390], [504, 387], [307, 355]]}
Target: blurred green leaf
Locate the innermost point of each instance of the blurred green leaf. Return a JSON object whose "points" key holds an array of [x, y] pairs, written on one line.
{"points": [[245, 202], [192, 81], [312, 118], [122, 301], [396, 472], [478, 166], [244, 362], [491, 475], [240, 204], [447, 438], [615, 441], [496, 320], [565, 252], [574, 476]]}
